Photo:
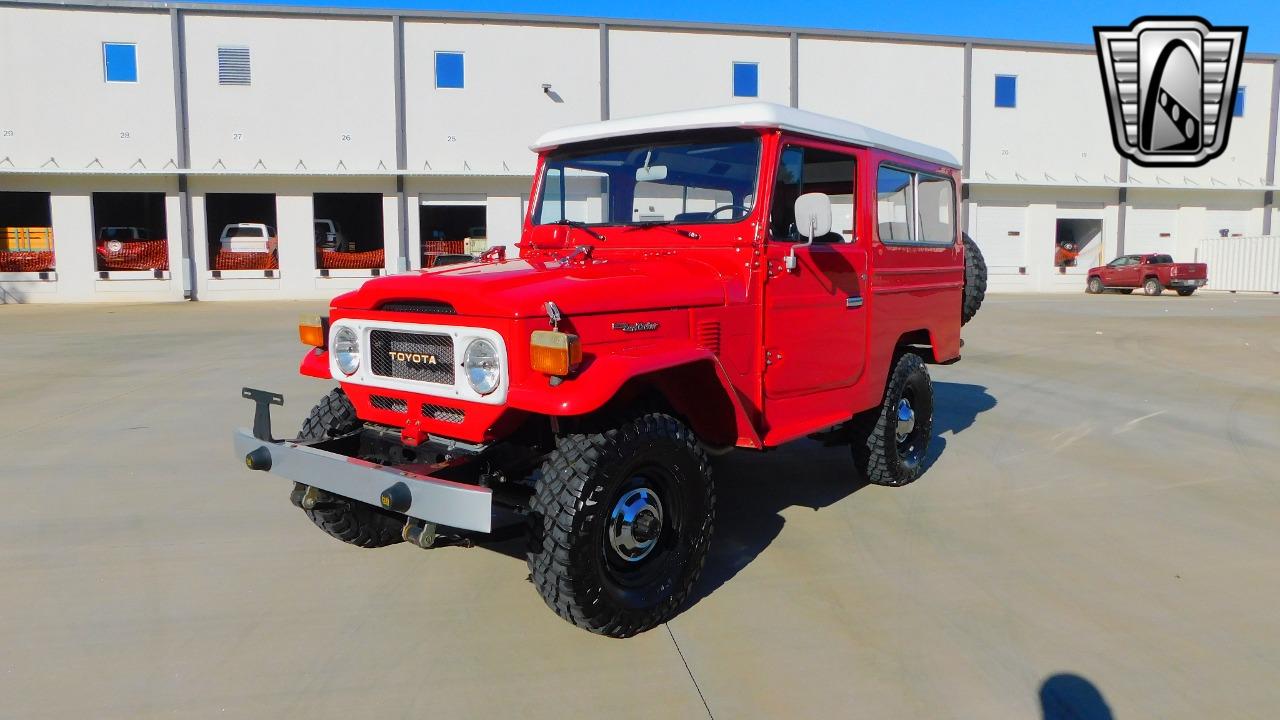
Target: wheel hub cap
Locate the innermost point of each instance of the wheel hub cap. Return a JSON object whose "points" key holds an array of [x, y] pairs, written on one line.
{"points": [[635, 523], [906, 420]]}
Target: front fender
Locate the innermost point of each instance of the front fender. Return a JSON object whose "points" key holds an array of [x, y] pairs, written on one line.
{"points": [[600, 381], [315, 364]]}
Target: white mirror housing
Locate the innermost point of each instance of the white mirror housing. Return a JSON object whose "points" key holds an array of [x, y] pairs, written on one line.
{"points": [[813, 220], [813, 215]]}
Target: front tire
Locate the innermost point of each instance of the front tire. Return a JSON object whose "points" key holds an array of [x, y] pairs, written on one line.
{"points": [[1186, 292], [890, 443], [1152, 286], [348, 520], [620, 523], [1094, 286]]}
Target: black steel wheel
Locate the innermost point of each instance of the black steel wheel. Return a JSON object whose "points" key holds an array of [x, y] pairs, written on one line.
{"points": [[620, 523], [890, 443]]}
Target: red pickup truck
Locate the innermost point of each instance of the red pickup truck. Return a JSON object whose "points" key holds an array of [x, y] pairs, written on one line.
{"points": [[1152, 272]]}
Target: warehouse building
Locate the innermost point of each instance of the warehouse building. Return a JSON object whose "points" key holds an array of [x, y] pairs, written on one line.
{"points": [[133, 134]]}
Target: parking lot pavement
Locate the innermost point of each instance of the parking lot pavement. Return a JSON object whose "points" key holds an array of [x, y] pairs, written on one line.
{"points": [[1097, 533]]}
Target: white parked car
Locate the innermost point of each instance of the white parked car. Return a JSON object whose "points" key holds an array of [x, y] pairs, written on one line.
{"points": [[329, 235], [248, 238]]}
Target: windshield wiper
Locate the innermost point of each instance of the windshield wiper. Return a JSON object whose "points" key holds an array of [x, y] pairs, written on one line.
{"points": [[580, 226], [663, 223]]}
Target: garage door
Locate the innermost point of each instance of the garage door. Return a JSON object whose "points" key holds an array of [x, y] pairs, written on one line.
{"points": [[1151, 229], [1236, 221], [1000, 231]]}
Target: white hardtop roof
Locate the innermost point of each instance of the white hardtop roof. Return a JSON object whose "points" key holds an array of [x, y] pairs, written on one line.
{"points": [[747, 115]]}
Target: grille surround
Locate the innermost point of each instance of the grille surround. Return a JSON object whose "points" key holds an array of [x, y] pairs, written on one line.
{"points": [[404, 356]]}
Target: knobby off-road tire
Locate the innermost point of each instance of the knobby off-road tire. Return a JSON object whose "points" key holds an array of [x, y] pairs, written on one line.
{"points": [[348, 520], [596, 554], [882, 452], [1186, 292], [1152, 286], [975, 280], [1094, 286]]}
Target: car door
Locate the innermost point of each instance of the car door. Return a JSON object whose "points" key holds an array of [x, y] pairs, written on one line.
{"points": [[814, 322], [1110, 273]]}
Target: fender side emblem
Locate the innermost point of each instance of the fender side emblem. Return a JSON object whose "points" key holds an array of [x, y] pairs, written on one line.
{"points": [[632, 327]]}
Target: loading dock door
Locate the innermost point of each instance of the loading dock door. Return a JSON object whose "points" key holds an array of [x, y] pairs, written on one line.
{"points": [[1151, 229], [1000, 232]]}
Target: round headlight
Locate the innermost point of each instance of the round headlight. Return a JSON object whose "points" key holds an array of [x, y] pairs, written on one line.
{"points": [[481, 364], [346, 350]]}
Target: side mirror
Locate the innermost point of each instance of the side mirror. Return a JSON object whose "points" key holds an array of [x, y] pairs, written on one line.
{"points": [[813, 220]]}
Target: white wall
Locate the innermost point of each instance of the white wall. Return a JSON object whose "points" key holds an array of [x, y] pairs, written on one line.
{"points": [[56, 101], [1059, 129], [652, 72], [487, 125], [915, 91], [315, 83]]}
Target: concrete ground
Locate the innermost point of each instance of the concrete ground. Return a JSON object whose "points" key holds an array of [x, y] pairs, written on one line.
{"points": [[1098, 536]]}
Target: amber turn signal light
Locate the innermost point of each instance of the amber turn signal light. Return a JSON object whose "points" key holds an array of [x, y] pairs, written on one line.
{"points": [[554, 353], [312, 330]]}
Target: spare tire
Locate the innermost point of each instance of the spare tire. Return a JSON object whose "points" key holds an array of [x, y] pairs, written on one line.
{"points": [[975, 280]]}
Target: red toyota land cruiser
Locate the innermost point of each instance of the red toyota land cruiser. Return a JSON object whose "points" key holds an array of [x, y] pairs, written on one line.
{"points": [[687, 283]]}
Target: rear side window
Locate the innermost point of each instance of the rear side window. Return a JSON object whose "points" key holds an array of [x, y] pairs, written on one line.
{"points": [[807, 170], [1161, 259], [914, 207]]}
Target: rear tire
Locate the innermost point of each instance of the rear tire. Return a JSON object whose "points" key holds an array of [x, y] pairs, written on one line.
{"points": [[1186, 292], [620, 522], [348, 520], [1152, 286], [890, 443], [975, 280], [1094, 286]]}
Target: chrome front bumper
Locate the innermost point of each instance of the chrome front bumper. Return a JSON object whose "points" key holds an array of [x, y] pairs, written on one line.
{"points": [[435, 500]]}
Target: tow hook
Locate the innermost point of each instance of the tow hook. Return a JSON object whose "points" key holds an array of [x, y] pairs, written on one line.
{"points": [[424, 535]]}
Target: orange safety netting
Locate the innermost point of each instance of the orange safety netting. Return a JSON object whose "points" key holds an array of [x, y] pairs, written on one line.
{"points": [[335, 260], [245, 261], [26, 260], [134, 255], [444, 247]]}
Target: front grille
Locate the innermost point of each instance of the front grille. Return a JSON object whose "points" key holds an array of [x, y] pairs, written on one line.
{"points": [[428, 307], [444, 414], [382, 402], [423, 357]]}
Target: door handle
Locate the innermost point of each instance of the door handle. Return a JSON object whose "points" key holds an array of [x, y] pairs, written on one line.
{"points": [[854, 301]]}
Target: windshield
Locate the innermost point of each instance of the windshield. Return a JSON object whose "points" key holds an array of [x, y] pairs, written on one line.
{"points": [[632, 181]]}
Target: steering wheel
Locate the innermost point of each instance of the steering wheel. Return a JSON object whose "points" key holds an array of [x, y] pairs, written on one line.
{"points": [[722, 208]]}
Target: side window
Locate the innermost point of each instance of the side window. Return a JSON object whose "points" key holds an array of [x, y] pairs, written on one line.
{"points": [[937, 209], [895, 205], [806, 170], [914, 207]]}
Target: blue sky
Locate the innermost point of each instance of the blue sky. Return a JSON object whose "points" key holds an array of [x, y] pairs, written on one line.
{"points": [[1016, 19]]}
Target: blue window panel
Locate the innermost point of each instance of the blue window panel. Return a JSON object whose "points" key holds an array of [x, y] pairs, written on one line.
{"points": [[1006, 91], [1238, 110], [448, 69], [120, 61], [746, 79]]}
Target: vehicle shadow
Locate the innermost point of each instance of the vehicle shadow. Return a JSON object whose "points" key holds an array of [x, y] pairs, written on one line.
{"points": [[753, 489], [1067, 696]]}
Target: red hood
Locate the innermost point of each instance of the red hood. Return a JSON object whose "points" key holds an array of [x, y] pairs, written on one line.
{"points": [[519, 288]]}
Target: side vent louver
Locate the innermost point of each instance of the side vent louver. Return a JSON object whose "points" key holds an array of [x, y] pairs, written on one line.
{"points": [[709, 335], [233, 66]]}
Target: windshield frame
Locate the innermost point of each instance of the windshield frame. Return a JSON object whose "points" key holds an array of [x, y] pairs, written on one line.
{"points": [[560, 154]]}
